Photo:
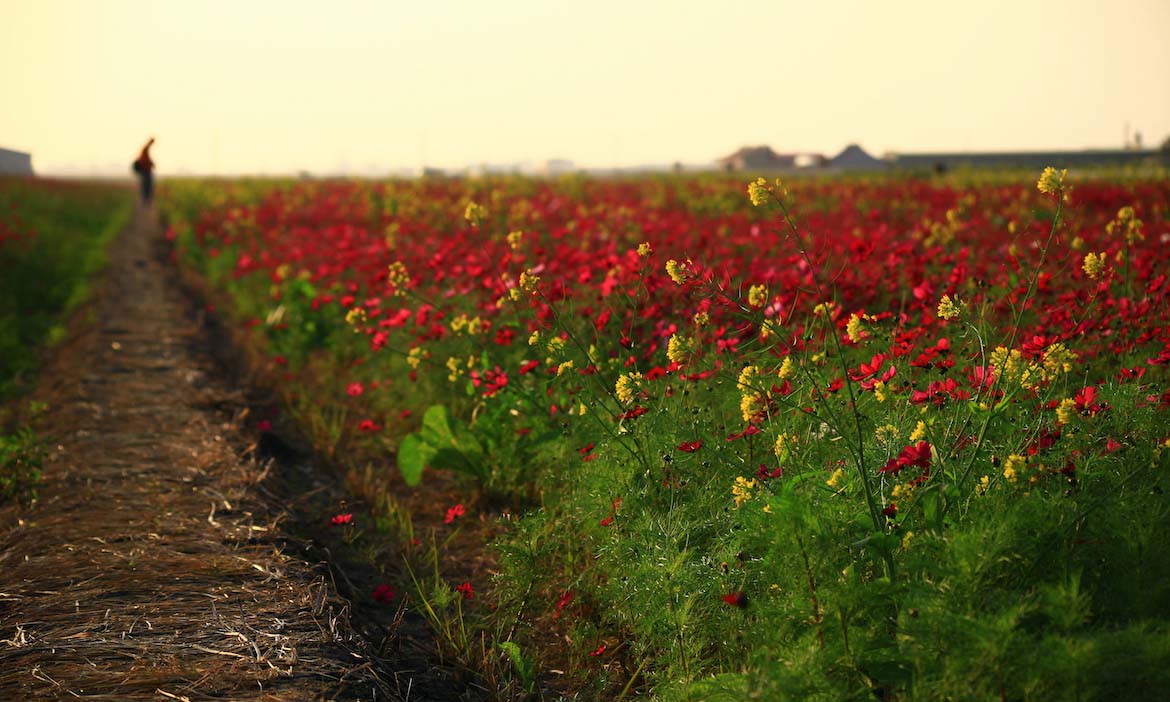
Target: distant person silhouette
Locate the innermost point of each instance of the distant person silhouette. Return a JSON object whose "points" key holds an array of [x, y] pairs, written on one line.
{"points": [[144, 167]]}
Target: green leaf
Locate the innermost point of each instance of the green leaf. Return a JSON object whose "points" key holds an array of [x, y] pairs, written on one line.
{"points": [[524, 667], [413, 456], [436, 428]]}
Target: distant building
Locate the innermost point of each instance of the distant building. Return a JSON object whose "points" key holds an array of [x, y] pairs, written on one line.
{"points": [[944, 161], [757, 158], [855, 158], [15, 163]]}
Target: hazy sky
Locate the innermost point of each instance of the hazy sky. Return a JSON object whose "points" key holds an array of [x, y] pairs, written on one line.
{"points": [[250, 86]]}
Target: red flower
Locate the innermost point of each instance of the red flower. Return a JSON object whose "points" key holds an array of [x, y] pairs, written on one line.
{"points": [[607, 521], [341, 519], [600, 650], [736, 599], [454, 512], [467, 591], [384, 594], [764, 474], [369, 425], [354, 389], [563, 602], [690, 446], [264, 425]]}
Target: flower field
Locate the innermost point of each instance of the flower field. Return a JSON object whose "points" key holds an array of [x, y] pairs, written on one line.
{"points": [[729, 438]]}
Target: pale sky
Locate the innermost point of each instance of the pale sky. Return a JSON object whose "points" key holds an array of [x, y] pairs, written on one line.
{"points": [[277, 86]]}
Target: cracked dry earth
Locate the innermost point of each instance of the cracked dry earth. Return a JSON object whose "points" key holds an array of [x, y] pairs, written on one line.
{"points": [[154, 565]]}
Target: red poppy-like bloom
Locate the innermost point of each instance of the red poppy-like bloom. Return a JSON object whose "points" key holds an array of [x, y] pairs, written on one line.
{"points": [[454, 512], [607, 521], [600, 650], [736, 599], [467, 591], [369, 425], [563, 602], [383, 593], [917, 456], [354, 389], [341, 519], [690, 446]]}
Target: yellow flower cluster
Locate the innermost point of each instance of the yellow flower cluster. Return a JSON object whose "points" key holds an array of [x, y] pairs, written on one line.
{"points": [[1012, 467], [564, 367], [472, 325], [1058, 359], [741, 490], [1011, 367], [355, 318], [644, 250], [514, 239], [1066, 411], [677, 271], [787, 368], [758, 191], [757, 295], [949, 308], [1094, 265], [626, 388], [784, 446], [397, 276], [919, 432], [475, 213], [1051, 181], [983, 485], [836, 478], [415, 357], [1128, 225], [854, 330], [701, 319], [677, 349], [454, 366]]}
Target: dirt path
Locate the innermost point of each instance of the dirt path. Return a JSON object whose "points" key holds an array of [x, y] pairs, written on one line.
{"points": [[151, 568]]}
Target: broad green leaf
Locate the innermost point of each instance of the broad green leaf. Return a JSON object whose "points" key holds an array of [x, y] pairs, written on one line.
{"points": [[413, 456]]}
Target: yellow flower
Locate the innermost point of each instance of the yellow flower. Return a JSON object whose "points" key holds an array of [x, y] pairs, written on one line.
{"points": [[566, 366], [534, 338], [1051, 181], [854, 330], [919, 432], [1066, 411], [644, 250], [751, 405], [1012, 467], [748, 378], [355, 318], [787, 368], [1077, 243], [701, 319], [879, 391], [677, 271], [514, 239], [454, 367], [758, 191], [414, 357], [627, 387], [783, 445], [677, 348], [984, 484], [901, 490], [949, 308], [528, 281], [824, 309], [397, 276], [886, 433], [475, 213], [836, 478], [907, 539], [757, 295], [742, 490], [1094, 265], [1058, 359]]}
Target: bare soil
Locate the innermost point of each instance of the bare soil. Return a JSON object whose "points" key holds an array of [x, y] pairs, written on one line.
{"points": [[156, 563]]}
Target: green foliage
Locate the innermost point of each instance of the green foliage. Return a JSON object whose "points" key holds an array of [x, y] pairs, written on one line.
{"points": [[53, 239], [21, 459]]}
